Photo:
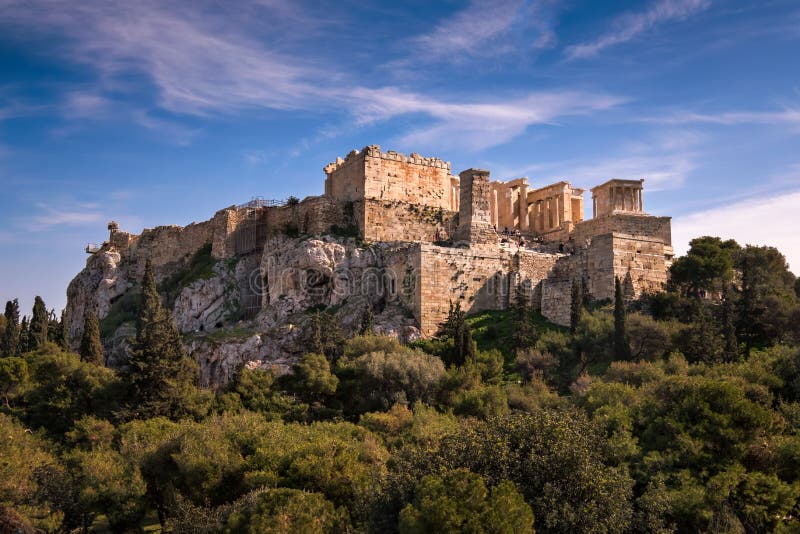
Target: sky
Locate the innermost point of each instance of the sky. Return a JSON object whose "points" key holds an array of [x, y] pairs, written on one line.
{"points": [[152, 113]]}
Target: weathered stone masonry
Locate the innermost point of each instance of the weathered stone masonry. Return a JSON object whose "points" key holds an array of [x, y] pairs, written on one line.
{"points": [[443, 238]]}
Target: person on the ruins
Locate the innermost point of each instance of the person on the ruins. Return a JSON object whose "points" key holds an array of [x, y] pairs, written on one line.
{"points": [[561, 247]]}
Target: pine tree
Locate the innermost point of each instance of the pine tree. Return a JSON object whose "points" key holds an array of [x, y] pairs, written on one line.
{"points": [[10, 340], [39, 323], [576, 306], [24, 336], [621, 348], [730, 344], [91, 349], [367, 322], [160, 375]]}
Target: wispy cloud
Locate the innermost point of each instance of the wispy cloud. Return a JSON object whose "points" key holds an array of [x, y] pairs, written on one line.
{"points": [[786, 116], [484, 28], [468, 31], [631, 25], [85, 104], [59, 215], [665, 161], [175, 132], [477, 124], [760, 221], [199, 63]]}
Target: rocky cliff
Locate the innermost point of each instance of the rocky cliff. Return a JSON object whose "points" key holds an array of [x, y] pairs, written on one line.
{"points": [[251, 309]]}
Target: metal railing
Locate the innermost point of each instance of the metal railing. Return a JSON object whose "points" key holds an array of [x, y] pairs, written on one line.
{"points": [[258, 202], [91, 248]]}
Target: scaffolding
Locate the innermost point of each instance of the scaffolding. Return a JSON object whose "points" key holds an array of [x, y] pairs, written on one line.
{"points": [[261, 202]]}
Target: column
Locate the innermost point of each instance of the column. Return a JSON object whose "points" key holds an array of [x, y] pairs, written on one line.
{"points": [[594, 207], [539, 216], [559, 210], [641, 207], [494, 207], [523, 208]]}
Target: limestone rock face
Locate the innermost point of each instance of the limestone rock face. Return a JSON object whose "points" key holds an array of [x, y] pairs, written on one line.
{"points": [[291, 278], [95, 288], [317, 272], [220, 360], [206, 303]]}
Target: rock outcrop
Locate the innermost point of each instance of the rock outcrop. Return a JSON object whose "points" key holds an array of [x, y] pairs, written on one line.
{"points": [[293, 278]]}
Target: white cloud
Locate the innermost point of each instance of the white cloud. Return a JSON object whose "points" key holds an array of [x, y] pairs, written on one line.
{"points": [[756, 221], [476, 124], [631, 25], [59, 215], [85, 104], [180, 135], [202, 62], [786, 116], [665, 161], [198, 61], [470, 29]]}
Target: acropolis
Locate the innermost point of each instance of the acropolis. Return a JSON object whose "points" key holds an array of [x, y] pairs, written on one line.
{"points": [[402, 233]]}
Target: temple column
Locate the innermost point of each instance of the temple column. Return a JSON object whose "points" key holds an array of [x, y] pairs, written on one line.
{"points": [[494, 207], [540, 215], [523, 208], [559, 210], [641, 208]]}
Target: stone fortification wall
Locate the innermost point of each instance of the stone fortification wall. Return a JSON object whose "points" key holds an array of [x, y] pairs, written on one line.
{"points": [[636, 224], [479, 278], [373, 174], [313, 216], [389, 221]]}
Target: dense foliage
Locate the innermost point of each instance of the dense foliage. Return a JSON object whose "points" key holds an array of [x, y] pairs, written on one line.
{"points": [[679, 412]]}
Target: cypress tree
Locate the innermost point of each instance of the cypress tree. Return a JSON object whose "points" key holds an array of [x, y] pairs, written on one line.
{"points": [[53, 327], [525, 334], [91, 349], [457, 328], [621, 348], [63, 336], [24, 336], [317, 344], [39, 323], [160, 375], [10, 345], [367, 322], [731, 344], [576, 306], [585, 296]]}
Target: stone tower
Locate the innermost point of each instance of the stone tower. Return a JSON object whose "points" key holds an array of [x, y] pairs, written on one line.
{"points": [[474, 214]]}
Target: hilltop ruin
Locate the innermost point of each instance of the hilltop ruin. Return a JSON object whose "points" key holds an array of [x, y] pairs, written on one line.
{"points": [[401, 233]]}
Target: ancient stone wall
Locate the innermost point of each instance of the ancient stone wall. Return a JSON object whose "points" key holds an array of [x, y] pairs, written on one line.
{"points": [[625, 223], [373, 174], [475, 214], [479, 278], [387, 220]]}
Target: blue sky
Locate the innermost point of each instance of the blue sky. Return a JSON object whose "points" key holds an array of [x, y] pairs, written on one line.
{"points": [[156, 113]]}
